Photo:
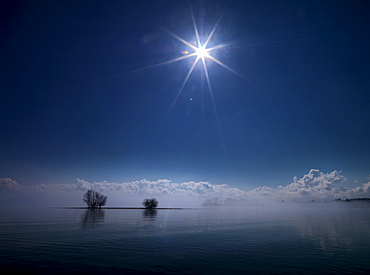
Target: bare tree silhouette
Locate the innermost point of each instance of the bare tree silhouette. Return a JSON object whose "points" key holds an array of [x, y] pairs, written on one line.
{"points": [[150, 203], [94, 199]]}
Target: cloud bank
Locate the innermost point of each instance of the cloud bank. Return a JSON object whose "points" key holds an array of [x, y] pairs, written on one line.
{"points": [[315, 185]]}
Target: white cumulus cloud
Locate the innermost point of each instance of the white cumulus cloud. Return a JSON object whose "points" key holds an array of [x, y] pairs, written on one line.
{"points": [[162, 187], [314, 185], [9, 184]]}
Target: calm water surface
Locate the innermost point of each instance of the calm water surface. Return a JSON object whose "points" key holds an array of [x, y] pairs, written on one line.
{"points": [[263, 240]]}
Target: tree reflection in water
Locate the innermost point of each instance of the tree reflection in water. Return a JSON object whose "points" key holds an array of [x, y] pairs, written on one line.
{"points": [[92, 218], [150, 214]]}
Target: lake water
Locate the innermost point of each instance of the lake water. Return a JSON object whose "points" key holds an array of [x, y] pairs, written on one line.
{"points": [[318, 239]]}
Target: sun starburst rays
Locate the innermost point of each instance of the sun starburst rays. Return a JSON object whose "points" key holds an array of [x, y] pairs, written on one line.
{"points": [[201, 53]]}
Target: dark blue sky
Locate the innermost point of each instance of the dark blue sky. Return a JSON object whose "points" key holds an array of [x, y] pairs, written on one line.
{"points": [[73, 105]]}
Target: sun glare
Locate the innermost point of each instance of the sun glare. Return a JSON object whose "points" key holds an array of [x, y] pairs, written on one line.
{"points": [[202, 52], [199, 50]]}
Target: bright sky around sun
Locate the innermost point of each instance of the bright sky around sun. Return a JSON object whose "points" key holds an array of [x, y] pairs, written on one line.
{"points": [[244, 93]]}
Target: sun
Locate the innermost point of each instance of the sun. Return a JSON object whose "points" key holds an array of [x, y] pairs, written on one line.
{"points": [[202, 52]]}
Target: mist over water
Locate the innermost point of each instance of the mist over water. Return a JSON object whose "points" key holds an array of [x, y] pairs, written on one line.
{"points": [[313, 186], [309, 239]]}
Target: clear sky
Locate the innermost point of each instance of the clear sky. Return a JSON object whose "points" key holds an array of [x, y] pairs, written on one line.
{"points": [[74, 102]]}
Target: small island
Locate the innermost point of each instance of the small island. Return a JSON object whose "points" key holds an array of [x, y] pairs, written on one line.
{"points": [[95, 201]]}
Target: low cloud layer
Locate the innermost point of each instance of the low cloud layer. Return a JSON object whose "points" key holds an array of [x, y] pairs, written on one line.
{"points": [[315, 185]]}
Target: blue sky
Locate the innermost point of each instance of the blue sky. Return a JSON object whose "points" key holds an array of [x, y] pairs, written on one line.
{"points": [[75, 104]]}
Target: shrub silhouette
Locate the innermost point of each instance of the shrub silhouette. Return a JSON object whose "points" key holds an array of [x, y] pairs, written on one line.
{"points": [[150, 203], [94, 199]]}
